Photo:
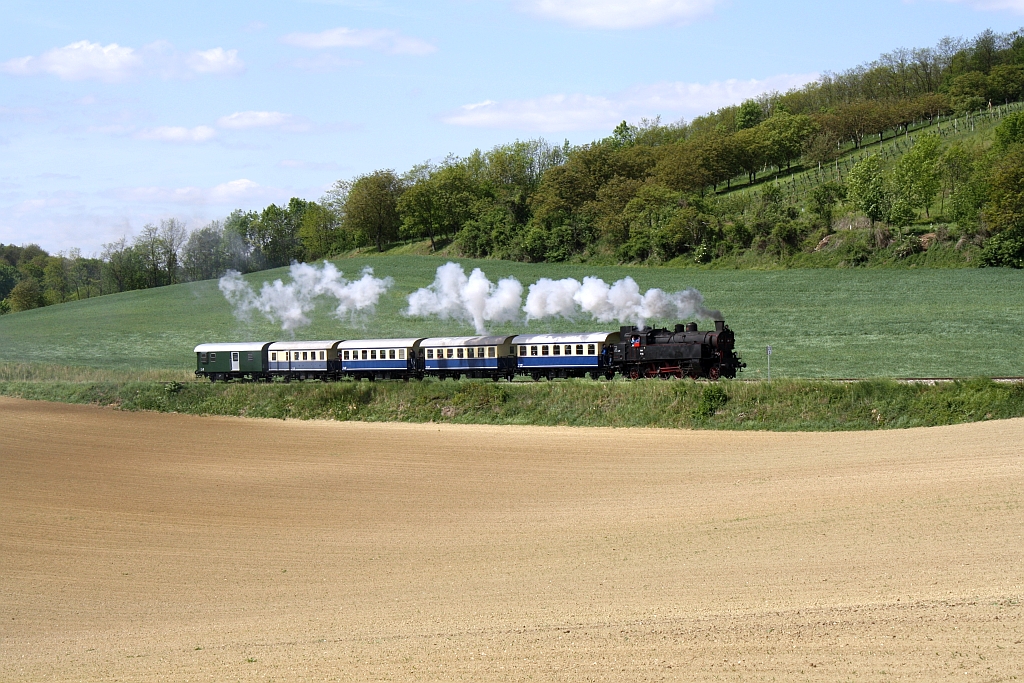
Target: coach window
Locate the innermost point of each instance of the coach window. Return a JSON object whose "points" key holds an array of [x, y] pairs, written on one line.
{"points": [[522, 351], [362, 354], [321, 355], [391, 354], [492, 351], [579, 349], [591, 350], [401, 354], [430, 353], [373, 354], [544, 350], [345, 355], [213, 356], [557, 348], [533, 350], [202, 357], [460, 354]]}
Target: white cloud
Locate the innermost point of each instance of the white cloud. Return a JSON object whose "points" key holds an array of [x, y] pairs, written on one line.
{"points": [[178, 134], [230, 193], [994, 5], [79, 61], [215, 61], [620, 14], [384, 40], [111, 63], [254, 119], [559, 113]]}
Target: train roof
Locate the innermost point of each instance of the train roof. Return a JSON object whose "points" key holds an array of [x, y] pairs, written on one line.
{"points": [[378, 343], [289, 345], [584, 338], [466, 341], [232, 346]]}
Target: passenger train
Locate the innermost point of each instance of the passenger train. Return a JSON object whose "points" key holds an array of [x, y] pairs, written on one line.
{"points": [[633, 352]]}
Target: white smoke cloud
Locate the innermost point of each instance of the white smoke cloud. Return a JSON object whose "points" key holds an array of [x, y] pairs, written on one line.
{"points": [[621, 301], [474, 298], [289, 304]]}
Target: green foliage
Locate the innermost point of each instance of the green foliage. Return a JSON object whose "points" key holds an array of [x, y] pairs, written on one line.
{"points": [[868, 189], [25, 296], [749, 115], [781, 405], [9, 277], [916, 178], [712, 399], [371, 209], [1010, 131], [1005, 249], [824, 199]]}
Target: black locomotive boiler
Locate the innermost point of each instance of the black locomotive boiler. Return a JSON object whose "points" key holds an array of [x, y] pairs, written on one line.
{"points": [[683, 352]]}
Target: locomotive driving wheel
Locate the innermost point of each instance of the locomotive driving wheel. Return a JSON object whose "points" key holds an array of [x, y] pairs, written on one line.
{"points": [[715, 372], [634, 373]]}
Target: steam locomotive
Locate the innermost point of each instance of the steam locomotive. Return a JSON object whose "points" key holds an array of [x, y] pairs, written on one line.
{"points": [[633, 352]]}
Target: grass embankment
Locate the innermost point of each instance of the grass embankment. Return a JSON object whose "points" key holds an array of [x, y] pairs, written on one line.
{"points": [[781, 405], [820, 323]]}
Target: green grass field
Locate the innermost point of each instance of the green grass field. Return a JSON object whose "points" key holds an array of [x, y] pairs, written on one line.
{"points": [[821, 323]]}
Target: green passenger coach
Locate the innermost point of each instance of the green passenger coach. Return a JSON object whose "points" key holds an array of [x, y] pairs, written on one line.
{"points": [[221, 362]]}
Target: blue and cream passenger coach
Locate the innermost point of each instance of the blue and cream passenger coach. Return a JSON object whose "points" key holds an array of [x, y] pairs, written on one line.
{"points": [[565, 355], [380, 358], [478, 357], [305, 359]]}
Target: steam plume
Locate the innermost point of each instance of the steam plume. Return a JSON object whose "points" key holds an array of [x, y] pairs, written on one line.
{"points": [[605, 303], [474, 298], [290, 303]]}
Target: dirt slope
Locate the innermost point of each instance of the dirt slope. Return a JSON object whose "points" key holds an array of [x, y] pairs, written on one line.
{"points": [[169, 548]]}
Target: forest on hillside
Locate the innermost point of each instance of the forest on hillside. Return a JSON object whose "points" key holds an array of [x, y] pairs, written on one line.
{"points": [[921, 150]]}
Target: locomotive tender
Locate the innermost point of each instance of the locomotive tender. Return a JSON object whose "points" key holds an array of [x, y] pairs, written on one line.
{"points": [[633, 352]]}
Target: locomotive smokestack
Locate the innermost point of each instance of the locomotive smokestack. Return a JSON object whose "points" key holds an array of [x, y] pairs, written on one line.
{"points": [[719, 325], [691, 327]]}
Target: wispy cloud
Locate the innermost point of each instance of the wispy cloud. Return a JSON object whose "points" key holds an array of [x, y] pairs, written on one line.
{"points": [[79, 61], [620, 14], [230, 193], [1016, 6], [309, 165], [383, 40], [178, 134], [244, 120], [558, 113], [112, 63], [215, 61]]}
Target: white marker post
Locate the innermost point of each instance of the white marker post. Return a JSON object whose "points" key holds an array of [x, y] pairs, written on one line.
{"points": [[769, 363]]}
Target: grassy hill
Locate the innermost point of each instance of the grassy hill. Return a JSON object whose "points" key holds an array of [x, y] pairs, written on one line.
{"points": [[821, 323]]}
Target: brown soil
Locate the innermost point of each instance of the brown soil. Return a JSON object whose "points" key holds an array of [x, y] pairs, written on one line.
{"points": [[171, 548]]}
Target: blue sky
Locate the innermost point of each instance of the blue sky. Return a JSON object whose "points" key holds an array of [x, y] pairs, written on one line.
{"points": [[115, 114]]}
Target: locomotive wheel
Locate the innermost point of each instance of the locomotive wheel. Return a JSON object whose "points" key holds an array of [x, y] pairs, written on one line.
{"points": [[694, 372], [609, 375], [714, 372], [634, 373]]}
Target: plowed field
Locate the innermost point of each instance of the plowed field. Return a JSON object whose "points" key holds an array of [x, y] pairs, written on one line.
{"points": [[154, 547]]}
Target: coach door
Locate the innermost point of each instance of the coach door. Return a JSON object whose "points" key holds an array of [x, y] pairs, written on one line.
{"points": [[234, 361]]}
